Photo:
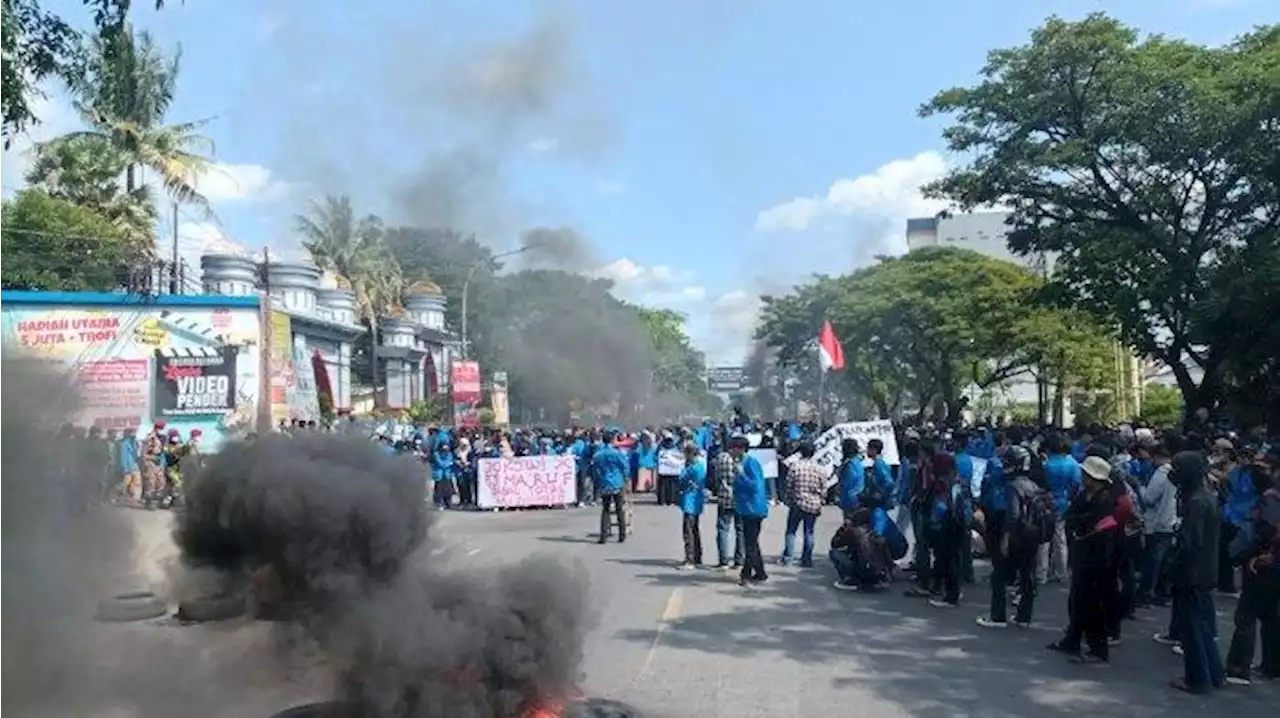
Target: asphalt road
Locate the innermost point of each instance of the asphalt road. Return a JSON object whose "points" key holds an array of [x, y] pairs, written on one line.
{"points": [[696, 644], [683, 644]]}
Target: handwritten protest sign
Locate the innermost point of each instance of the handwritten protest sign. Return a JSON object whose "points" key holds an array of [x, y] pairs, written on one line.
{"points": [[827, 445], [670, 462], [527, 481]]}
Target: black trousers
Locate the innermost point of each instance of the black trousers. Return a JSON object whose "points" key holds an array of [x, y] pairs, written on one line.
{"points": [[1087, 604], [692, 530], [752, 560], [1258, 608], [666, 490], [947, 547], [1018, 567], [612, 502]]}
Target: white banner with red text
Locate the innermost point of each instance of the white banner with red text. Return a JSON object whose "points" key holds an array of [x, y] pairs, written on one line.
{"points": [[524, 481]]}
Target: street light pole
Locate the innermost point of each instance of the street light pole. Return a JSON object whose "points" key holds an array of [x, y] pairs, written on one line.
{"points": [[466, 287]]}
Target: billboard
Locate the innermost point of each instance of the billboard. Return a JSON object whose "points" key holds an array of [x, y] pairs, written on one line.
{"points": [[726, 379], [465, 383], [195, 381], [192, 363]]}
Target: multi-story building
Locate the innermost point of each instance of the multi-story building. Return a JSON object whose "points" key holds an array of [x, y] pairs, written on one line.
{"points": [[983, 232], [415, 351]]}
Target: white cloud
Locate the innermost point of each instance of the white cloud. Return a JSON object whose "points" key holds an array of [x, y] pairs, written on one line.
{"points": [[224, 182], [609, 188], [542, 145], [891, 192], [629, 274]]}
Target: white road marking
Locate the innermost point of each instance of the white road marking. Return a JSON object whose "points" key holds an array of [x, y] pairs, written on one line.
{"points": [[669, 614]]}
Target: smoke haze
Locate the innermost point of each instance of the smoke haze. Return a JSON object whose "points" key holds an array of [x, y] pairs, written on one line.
{"points": [[341, 531]]}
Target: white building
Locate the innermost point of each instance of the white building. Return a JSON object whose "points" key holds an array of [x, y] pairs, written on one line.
{"points": [[983, 232]]}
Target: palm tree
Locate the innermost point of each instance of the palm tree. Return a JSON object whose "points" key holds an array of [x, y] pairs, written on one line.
{"points": [[128, 88], [354, 249]]}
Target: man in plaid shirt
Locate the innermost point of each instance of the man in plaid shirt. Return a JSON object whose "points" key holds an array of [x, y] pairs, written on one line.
{"points": [[726, 467], [807, 485]]}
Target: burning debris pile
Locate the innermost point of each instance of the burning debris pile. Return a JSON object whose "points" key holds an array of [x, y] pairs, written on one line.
{"points": [[342, 531]]}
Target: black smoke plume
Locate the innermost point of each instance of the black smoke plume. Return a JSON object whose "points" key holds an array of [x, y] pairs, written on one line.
{"points": [[342, 531]]}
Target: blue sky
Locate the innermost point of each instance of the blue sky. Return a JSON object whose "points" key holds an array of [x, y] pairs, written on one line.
{"points": [[709, 150]]}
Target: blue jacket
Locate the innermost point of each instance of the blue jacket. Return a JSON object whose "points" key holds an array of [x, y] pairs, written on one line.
{"points": [[958, 507], [693, 482], [646, 456], [1242, 496], [610, 468], [964, 470], [902, 485], [750, 497], [441, 462], [1062, 473], [128, 455], [992, 497], [853, 478], [883, 476]]}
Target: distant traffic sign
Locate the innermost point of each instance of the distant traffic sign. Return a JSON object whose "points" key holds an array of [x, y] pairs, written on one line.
{"points": [[726, 378]]}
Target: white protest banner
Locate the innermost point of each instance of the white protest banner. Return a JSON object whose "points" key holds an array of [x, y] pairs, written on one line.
{"points": [[519, 481], [754, 439], [670, 462], [768, 459], [979, 472], [827, 445]]}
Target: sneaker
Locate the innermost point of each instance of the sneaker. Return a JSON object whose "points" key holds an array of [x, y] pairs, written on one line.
{"points": [[685, 566], [1236, 678], [917, 592], [939, 603], [845, 586], [1163, 639], [988, 623], [1024, 625], [1113, 641]]}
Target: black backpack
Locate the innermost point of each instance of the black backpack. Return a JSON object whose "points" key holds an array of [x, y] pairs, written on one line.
{"points": [[1038, 517]]}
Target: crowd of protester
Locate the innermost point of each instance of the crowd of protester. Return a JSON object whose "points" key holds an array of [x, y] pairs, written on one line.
{"points": [[1130, 519]]}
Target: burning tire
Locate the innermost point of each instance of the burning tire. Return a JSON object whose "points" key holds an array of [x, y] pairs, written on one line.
{"points": [[133, 606], [315, 710], [602, 708], [212, 608]]}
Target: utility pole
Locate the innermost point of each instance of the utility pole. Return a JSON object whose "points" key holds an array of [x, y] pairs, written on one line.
{"points": [[174, 284], [265, 345]]}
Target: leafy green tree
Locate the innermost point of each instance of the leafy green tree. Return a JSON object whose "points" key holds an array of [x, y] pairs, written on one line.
{"points": [[54, 244], [677, 375], [930, 324], [1147, 166], [1162, 406], [89, 172]]}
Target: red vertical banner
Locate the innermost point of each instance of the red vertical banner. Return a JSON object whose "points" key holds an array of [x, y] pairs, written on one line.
{"points": [[465, 383]]}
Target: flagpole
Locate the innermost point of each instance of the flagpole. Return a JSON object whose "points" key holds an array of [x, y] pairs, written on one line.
{"points": [[822, 380]]}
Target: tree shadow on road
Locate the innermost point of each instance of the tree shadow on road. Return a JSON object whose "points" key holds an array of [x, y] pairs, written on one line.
{"points": [[937, 663]]}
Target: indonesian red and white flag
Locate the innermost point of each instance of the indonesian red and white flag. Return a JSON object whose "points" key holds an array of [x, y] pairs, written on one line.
{"points": [[830, 353]]}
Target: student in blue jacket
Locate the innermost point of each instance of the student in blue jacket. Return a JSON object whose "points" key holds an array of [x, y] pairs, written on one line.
{"points": [[751, 503], [442, 474], [692, 486], [610, 467]]}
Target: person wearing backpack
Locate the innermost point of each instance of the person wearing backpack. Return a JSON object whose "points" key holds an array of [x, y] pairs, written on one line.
{"points": [[1026, 522]]}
